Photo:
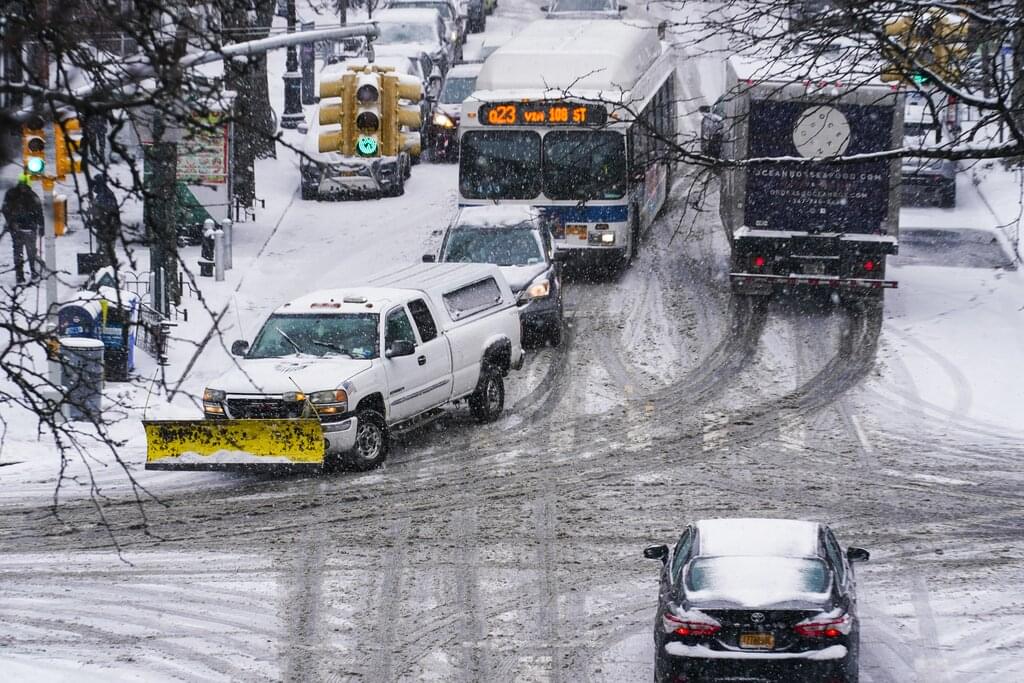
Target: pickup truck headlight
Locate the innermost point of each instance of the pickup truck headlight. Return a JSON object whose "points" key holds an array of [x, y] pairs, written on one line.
{"points": [[442, 120], [538, 289], [212, 399], [329, 402]]}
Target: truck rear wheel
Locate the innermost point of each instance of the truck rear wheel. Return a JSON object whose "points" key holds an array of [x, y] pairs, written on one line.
{"points": [[487, 402], [371, 447]]}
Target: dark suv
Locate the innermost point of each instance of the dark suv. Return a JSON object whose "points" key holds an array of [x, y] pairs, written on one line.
{"points": [[756, 599]]}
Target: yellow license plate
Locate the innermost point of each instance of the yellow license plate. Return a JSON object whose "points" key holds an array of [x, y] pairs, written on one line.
{"points": [[757, 641], [577, 230]]}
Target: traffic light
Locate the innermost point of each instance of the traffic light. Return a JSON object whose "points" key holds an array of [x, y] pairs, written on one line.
{"points": [[933, 40], [67, 140], [340, 113], [368, 114], [401, 111], [33, 148]]}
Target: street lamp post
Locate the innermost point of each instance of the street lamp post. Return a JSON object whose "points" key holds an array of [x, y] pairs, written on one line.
{"points": [[292, 116]]}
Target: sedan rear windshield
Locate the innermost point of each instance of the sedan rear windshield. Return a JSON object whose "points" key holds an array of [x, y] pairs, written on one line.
{"points": [[349, 334], [406, 32], [756, 581]]}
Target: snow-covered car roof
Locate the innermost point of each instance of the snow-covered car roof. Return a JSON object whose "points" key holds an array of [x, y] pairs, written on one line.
{"points": [[401, 63], [496, 215], [758, 537], [465, 70], [411, 15]]}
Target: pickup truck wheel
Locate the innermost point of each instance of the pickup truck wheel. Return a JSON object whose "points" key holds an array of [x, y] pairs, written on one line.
{"points": [[487, 402], [371, 441]]}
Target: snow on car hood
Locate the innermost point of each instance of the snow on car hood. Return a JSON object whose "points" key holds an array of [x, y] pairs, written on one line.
{"points": [[519, 277], [289, 373]]}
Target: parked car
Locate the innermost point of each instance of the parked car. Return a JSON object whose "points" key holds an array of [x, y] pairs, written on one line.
{"points": [[490, 6], [583, 9], [922, 130], [454, 23], [443, 134], [757, 599], [379, 357], [512, 238], [412, 31]]}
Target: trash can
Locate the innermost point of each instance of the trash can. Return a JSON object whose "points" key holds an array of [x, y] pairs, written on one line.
{"points": [[81, 363]]}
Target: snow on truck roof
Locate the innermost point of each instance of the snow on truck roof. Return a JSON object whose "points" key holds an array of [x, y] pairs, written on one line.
{"points": [[830, 69], [578, 57], [375, 294], [758, 537]]}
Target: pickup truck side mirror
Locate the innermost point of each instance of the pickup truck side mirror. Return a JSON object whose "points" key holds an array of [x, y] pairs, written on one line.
{"points": [[239, 347], [545, 8], [429, 258], [559, 256], [857, 554], [656, 552], [622, 8], [704, 109], [400, 347]]}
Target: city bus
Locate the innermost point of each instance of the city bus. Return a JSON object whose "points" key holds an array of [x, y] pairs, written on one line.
{"points": [[578, 120]]}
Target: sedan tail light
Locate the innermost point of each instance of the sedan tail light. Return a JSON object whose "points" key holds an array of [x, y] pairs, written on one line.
{"points": [[827, 625], [690, 623]]}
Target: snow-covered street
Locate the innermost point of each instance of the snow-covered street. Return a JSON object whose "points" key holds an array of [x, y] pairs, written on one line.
{"points": [[511, 551]]}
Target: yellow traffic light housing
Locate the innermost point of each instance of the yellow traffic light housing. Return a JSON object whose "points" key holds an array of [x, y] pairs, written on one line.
{"points": [[33, 149], [401, 109], [368, 114], [932, 40], [67, 141], [340, 113]]}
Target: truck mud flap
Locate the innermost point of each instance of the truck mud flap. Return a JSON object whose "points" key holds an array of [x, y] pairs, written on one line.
{"points": [[291, 444], [760, 282]]}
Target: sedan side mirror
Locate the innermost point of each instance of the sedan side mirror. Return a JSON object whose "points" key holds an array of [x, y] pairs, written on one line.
{"points": [[656, 552], [704, 109], [857, 554], [623, 8], [239, 347], [545, 8], [400, 347], [429, 258]]}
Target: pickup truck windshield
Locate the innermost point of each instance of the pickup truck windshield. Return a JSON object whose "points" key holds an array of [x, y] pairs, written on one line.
{"points": [[457, 88], [500, 246], [351, 334]]}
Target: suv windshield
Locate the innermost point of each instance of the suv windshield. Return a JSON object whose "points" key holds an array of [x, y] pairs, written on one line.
{"points": [[500, 165], [352, 334], [406, 32], [500, 246], [584, 165], [457, 89]]}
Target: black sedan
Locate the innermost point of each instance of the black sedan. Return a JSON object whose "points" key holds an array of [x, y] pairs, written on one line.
{"points": [[756, 600]]}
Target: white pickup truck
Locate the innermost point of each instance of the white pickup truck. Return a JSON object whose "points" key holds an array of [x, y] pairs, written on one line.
{"points": [[372, 359]]}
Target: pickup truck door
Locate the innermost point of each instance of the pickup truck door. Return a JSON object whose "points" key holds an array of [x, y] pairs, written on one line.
{"points": [[421, 381]]}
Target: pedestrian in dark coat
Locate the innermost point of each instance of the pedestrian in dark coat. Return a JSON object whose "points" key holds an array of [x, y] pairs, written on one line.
{"points": [[23, 213], [105, 217]]}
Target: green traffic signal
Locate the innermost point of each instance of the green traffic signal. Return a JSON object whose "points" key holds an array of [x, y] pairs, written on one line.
{"points": [[920, 79], [35, 165], [366, 146]]}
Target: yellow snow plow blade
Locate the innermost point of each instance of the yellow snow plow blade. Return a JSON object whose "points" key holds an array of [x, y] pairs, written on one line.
{"points": [[234, 444]]}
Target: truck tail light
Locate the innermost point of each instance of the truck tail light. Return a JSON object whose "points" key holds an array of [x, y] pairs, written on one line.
{"points": [[869, 265], [758, 261]]}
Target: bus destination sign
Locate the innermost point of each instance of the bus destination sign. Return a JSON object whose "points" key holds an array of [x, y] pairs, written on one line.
{"points": [[551, 113]]}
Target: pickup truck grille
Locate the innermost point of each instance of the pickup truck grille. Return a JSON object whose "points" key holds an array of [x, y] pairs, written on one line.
{"points": [[262, 407]]}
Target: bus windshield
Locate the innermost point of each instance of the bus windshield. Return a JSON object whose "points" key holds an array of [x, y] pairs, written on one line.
{"points": [[584, 165], [500, 164]]}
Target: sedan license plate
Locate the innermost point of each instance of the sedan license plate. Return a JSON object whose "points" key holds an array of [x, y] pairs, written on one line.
{"points": [[757, 641], [577, 230]]}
